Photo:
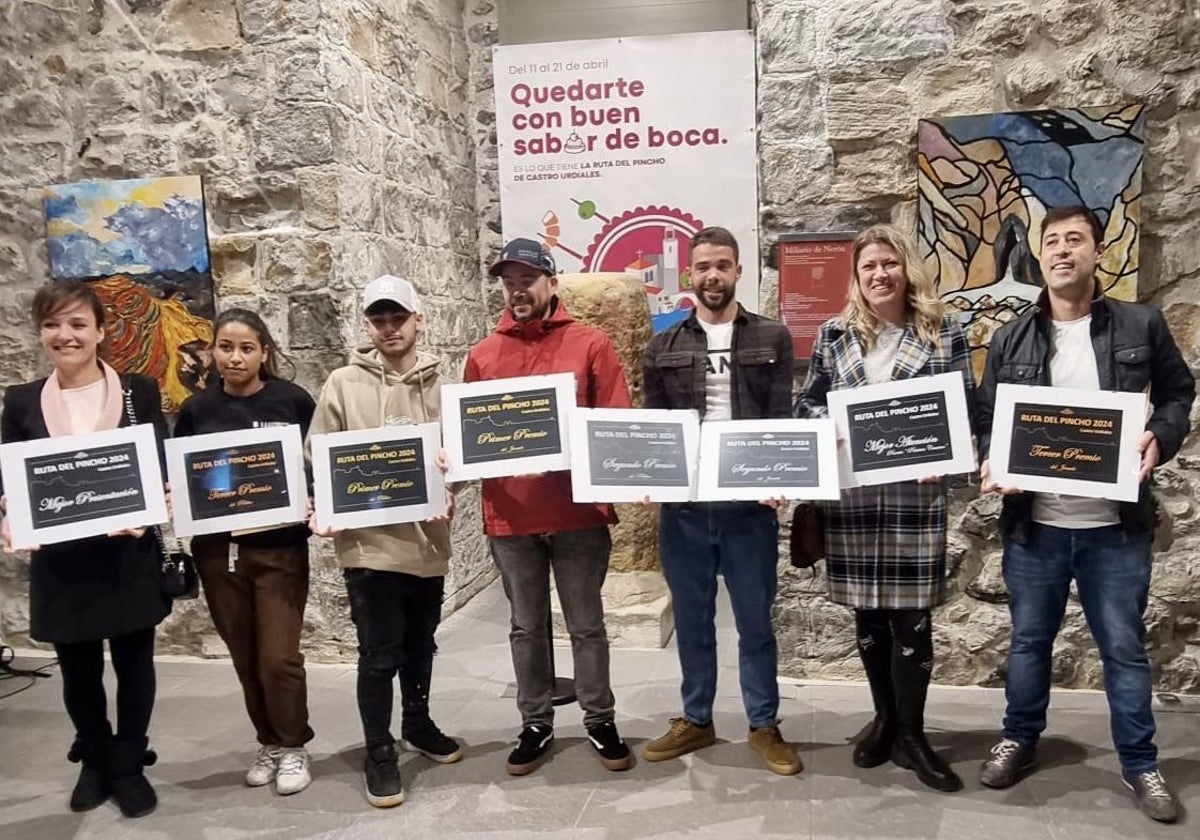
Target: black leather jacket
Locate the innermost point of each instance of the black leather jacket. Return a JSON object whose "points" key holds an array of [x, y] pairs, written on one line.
{"points": [[1134, 349]]}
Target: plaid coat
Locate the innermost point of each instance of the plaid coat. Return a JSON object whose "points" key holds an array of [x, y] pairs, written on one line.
{"points": [[885, 545]]}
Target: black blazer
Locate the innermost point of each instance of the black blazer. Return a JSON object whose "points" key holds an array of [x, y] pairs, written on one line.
{"points": [[97, 587]]}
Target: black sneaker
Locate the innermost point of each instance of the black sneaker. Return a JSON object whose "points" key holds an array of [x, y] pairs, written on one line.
{"points": [[532, 745], [614, 753], [382, 771], [425, 738], [1153, 795], [1006, 764]]}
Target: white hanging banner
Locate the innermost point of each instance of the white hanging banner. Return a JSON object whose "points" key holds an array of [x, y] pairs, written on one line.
{"points": [[614, 151]]}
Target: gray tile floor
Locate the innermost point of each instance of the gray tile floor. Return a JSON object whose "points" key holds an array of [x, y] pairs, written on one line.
{"points": [[202, 737]]}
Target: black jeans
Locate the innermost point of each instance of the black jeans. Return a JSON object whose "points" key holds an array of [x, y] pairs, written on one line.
{"points": [[395, 616], [82, 668]]}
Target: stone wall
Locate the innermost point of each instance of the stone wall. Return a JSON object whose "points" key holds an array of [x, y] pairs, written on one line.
{"points": [[334, 141], [840, 89], [340, 138]]}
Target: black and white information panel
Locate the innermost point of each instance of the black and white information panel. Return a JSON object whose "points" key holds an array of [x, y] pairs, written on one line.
{"points": [[754, 460], [502, 427], [903, 430], [631, 454], [230, 481], [1069, 441], [65, 488], [370, 477]]}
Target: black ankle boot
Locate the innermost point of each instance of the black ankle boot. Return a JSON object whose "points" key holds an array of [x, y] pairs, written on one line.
{"points": [[912, 752], [126, 781], [874, 744], [91, 789]]}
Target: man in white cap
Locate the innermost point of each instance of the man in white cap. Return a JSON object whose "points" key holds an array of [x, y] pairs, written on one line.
{"points": [[394, 573]]}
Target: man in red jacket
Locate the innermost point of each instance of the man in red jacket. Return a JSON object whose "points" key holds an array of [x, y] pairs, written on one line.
{"points": [[531, 522]]}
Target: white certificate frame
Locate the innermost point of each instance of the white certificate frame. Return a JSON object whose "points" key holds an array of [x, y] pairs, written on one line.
{"points": [[453, 395], [25, 535], [962, 449], [1133, 406], [709, 489], [583, 486], [293, 464], [430, 436]]}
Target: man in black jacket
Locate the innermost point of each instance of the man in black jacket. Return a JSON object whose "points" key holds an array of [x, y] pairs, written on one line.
{"points": [[727, 364], [1075, 337]]}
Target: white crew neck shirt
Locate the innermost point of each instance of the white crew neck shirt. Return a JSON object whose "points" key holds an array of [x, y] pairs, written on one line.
{"points": [[880, 360], [1073, 365], [718, 383]]}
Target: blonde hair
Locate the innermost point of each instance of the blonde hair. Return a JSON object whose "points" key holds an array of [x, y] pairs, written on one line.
{"points": [[921, 304]]}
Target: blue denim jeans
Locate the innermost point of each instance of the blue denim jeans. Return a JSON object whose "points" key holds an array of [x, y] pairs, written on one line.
{"points": [[1112, 575], [741, 540]]}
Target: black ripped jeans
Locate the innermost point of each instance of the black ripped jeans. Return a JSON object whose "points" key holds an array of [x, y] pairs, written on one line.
{"points": [[395, 615]]}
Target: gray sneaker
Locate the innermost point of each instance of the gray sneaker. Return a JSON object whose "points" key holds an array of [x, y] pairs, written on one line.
{"points": [[1007, 763], [1153, 796]]}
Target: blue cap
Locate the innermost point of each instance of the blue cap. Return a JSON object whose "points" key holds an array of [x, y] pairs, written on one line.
{"points": [[528, 252]]}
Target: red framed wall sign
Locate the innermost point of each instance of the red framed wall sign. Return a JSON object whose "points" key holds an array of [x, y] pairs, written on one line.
{"points": [[814, 274]]}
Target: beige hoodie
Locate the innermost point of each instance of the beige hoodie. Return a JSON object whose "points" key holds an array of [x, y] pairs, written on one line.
{"points": [[366, 394]]}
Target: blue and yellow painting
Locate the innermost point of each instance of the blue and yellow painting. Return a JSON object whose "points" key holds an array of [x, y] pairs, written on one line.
{"points": [[985, 183], [144, 245]]}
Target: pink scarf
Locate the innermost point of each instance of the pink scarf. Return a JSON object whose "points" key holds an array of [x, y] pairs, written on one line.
{"points": [[57, 417]]}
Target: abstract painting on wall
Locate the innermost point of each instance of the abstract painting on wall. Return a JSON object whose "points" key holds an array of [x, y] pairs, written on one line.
{"points": [[143, 244], [984, 185]]}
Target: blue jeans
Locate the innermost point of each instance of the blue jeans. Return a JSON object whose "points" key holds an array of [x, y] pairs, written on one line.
{"points": [[741, 540], [1112, 575]]}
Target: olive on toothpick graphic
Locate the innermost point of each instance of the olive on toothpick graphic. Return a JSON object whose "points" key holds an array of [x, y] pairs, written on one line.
{"points": [[587, 210]]}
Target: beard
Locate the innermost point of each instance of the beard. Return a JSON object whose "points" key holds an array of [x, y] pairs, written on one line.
{"points": [[727, 295], [533, 311]]}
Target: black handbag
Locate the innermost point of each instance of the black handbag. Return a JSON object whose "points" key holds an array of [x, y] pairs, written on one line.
{"points": [[806, 543], [177, 577]]}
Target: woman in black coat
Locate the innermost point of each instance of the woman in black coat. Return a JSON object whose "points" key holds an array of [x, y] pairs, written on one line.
{"points": [[84, 591]]}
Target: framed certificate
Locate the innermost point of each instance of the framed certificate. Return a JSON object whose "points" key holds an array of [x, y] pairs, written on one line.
{"points": [[370, 477], [230, 481], [66, 488], [505, 427], [1067, 440], [629, 454], [903, 430], [752, 460]]}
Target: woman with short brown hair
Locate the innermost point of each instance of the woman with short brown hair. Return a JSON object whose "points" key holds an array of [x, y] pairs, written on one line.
{"points": [[85, 591]]}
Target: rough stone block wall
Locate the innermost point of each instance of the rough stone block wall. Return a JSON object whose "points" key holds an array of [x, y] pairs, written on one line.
{"points": [[340, 138], [334, 139], [841, 86]]}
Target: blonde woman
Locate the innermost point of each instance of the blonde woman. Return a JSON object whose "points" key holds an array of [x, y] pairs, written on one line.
{"points": [[886, 545]]}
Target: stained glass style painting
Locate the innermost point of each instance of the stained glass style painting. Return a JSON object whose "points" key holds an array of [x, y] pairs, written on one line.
{"points": [[984, 185], [144, 245]]}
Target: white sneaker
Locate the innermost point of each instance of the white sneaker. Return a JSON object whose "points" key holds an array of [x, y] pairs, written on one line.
{"points": [[266, 763], [293, 775]]}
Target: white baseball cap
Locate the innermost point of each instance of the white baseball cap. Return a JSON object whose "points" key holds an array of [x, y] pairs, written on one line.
{"points": [[391, 288]]}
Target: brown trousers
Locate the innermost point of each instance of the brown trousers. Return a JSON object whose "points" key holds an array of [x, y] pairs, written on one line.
{"points": [[258, 610]]}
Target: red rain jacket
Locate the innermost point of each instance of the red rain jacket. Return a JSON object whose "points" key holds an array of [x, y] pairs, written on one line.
{"points": [[541, 504]]}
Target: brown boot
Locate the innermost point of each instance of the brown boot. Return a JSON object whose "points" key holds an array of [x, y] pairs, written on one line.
{"points": [[779, 756], [683, 737]]}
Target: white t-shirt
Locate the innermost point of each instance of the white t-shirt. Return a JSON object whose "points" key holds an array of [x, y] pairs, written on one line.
{"points": [[84, 405], [881, 358], [1073, 365], [718, 399]]}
